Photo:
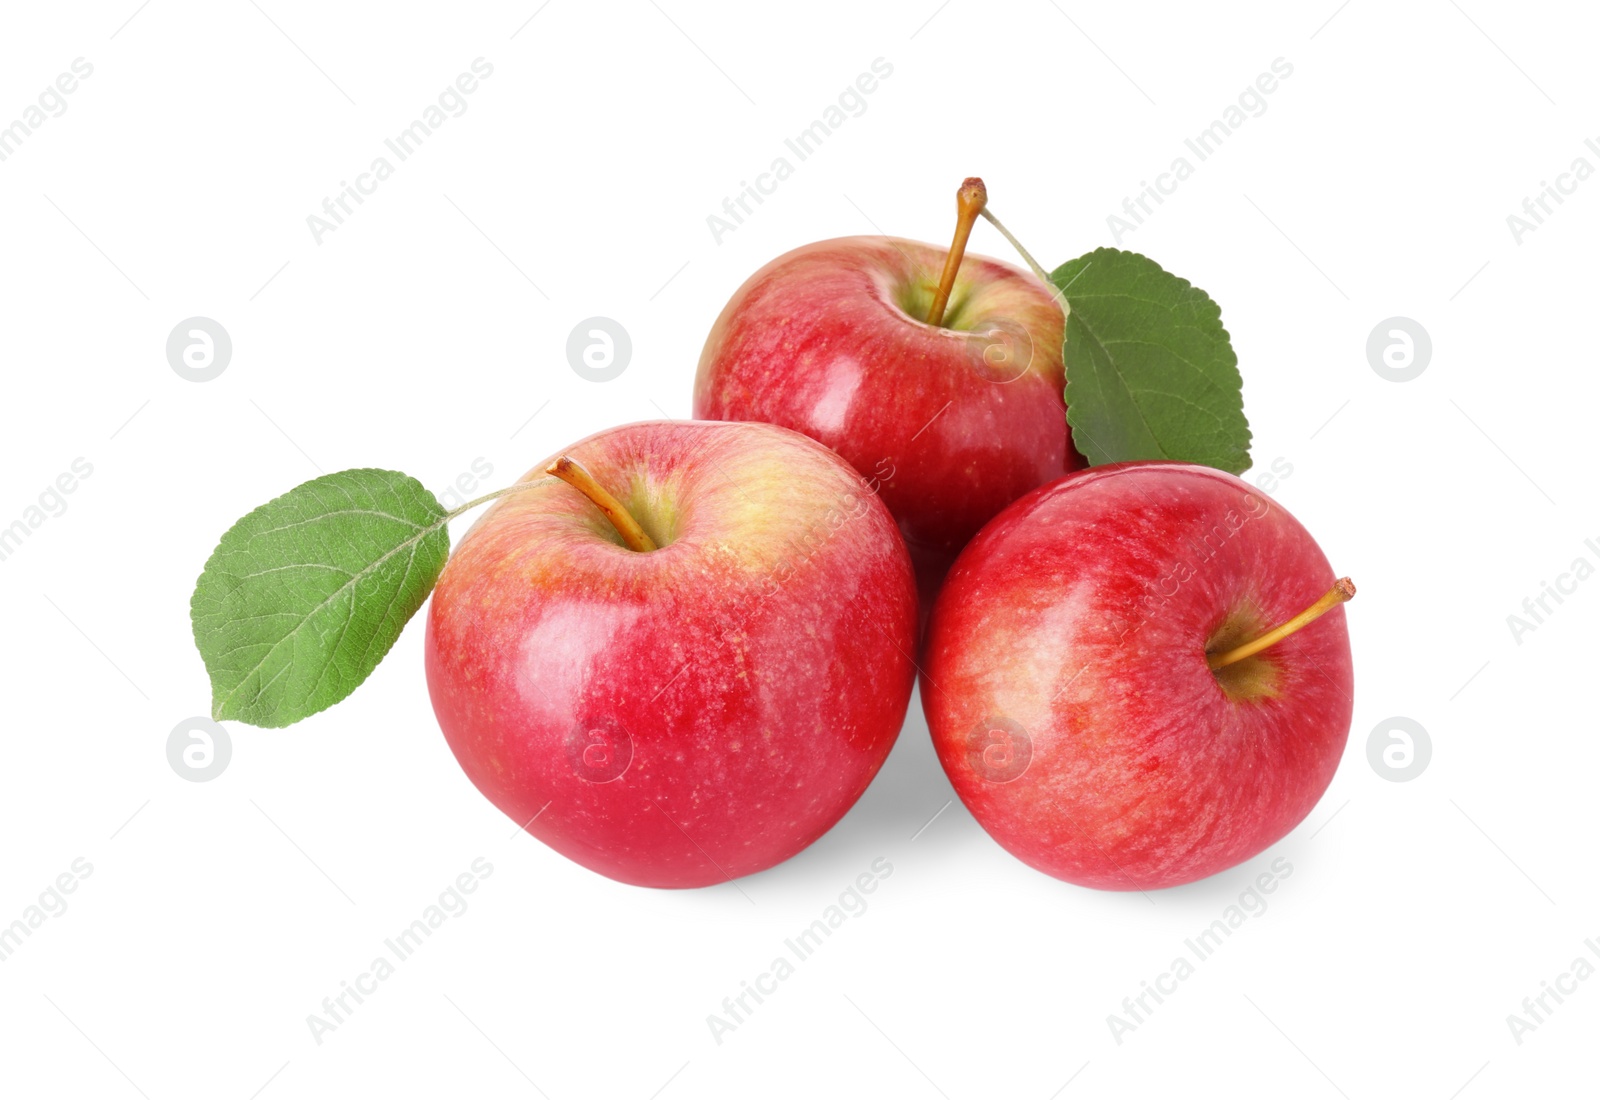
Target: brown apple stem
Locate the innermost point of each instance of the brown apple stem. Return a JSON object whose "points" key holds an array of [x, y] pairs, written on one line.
{"points": [[573, 474], [1341, 591], [969, 204]]}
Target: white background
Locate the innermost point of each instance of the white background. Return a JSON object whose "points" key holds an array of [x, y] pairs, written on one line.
{"points": [[425, 332]]}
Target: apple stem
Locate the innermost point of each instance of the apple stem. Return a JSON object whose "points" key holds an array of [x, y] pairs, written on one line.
{"points": [[575, 475], [1044, 276], [1341, 591], [487, 497], [969, 204]]}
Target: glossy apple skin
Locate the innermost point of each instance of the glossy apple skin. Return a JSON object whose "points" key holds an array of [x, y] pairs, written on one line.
{"points": [[696, 713], [1071, 638], [952, 424]]}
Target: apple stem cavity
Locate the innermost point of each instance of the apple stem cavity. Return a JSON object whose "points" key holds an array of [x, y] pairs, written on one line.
{"points": [[970, 200], [582, 480], [1342, 590]]}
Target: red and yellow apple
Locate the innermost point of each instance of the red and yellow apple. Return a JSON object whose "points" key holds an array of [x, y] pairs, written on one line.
{"points": [[681, 659], [953, 420], [1131, 680]]}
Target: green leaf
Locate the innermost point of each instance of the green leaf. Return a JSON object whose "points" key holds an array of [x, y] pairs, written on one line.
{"points": [[304, 596], [1150, 371]]}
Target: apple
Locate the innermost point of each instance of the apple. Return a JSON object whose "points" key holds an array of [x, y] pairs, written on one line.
{"points": [[1105, 688], [952, 418], [683, 657]]}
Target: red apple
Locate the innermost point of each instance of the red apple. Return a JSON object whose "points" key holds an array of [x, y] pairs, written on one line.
{"points": [[1069, 684], [953, 421], [683, 715]]}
